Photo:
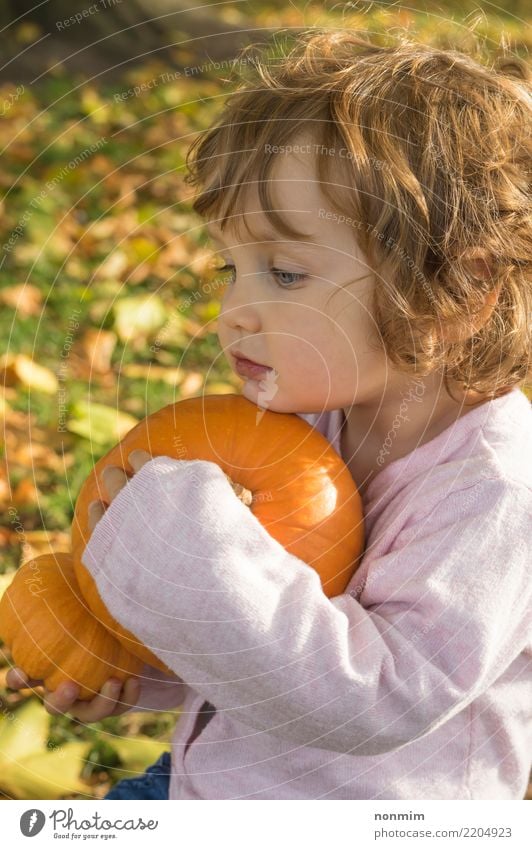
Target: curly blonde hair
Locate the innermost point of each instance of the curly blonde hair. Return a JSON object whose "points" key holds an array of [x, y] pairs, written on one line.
{"points": [[437, 172]]}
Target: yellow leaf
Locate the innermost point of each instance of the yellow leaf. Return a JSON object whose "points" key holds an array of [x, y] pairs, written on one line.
{"points": [[208, 311], [100, 423], [172, 376], [93, 105], [48, 774], [139, 316], [137, 753], [19, 367], [141, 248], [22, 732]]}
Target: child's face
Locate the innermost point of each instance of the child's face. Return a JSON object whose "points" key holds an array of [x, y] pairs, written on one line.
{"points": [[317, 353]]}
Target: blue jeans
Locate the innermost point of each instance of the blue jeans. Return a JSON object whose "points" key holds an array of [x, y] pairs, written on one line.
{"points": [[152, 784]]}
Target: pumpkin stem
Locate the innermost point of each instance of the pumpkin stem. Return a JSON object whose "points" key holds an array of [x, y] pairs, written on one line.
{"points": [[245, 495]]}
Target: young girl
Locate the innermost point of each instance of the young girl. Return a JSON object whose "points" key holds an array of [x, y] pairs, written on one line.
{"points": [[371, 207]]}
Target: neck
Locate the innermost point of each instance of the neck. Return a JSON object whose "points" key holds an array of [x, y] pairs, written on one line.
{"points": [[378, 433]]}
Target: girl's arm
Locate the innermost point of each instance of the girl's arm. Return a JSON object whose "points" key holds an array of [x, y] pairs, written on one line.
{"points": [[184, 565]]}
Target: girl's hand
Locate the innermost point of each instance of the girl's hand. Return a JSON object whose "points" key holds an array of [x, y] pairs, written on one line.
{"points": [[114, 478], [112, 700]]}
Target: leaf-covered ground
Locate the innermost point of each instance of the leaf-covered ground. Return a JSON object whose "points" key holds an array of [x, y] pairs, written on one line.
{"points": [[108, 311]]}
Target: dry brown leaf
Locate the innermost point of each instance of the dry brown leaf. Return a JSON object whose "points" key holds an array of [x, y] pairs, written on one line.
{"points": [[23, 297], [25, 493], [104, 228], [42, 542], [174, 255], [114, 266], [139, 273], [97, 346], [26, 443], [126, 222], [35, 455]]}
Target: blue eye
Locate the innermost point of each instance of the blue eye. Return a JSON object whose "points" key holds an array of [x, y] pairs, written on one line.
{"points": [[296, 275], [277, 272]]}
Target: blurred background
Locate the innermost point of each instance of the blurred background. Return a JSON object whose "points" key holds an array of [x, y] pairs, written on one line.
{"points": [[106, 308]]}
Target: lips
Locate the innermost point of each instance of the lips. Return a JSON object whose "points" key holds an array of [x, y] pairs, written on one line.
{"points": [[249, 368]]}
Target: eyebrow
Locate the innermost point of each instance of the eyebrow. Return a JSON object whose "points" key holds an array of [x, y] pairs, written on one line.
{"points": [[267, 236]]}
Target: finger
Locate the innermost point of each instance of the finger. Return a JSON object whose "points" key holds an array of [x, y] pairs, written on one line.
{"points": [[114, 479], [96, 510], [16, 679], [128, 697], [61, 699], [138, 458], [101, 706]]}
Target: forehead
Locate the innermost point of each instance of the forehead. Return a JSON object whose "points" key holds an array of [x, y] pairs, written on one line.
{"points": [[296, 195], [293, 195]]}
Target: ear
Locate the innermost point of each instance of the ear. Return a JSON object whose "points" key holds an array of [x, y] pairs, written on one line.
{"points": [[478, 262]]}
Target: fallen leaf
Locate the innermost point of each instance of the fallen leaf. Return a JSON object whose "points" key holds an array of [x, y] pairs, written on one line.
{"points": [[25, 493], [138, 318], [22, 369], [22, 733], [40, 542], [98, 347], [139, 273], [24, 298], [35, 454], [114, 266], [99, 423], [48, 774]]}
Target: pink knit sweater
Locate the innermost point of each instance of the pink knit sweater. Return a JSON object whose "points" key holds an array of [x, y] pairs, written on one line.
{"points": [[416, 683]]}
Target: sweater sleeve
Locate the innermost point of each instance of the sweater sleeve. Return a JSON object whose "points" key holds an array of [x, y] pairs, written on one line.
{"points": [[192, 572]]}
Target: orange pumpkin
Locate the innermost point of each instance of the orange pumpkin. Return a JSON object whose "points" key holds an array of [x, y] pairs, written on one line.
{"points": [[53, 635], [290, 476]]}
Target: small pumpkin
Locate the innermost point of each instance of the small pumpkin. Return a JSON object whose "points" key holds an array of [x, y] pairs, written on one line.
{"points": [[53, 635], [288, 474]]}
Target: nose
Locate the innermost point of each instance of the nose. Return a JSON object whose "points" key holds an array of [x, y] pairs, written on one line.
{"points": [[241, 307]]}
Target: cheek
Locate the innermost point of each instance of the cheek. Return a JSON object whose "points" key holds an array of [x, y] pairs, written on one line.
{"points": [[309, 359]]}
